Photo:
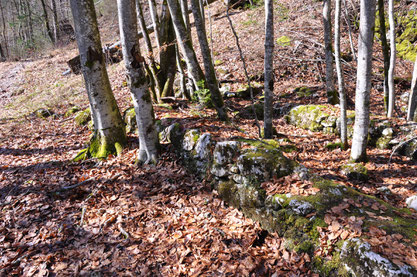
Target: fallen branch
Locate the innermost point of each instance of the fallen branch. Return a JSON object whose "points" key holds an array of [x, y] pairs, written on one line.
{"points": [[398, 147]]}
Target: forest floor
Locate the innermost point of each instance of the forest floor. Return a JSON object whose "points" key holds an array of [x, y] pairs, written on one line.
{"points": [[160, 220]]}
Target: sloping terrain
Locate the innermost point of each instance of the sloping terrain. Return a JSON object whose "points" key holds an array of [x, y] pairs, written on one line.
{"points": [[112, 218]]}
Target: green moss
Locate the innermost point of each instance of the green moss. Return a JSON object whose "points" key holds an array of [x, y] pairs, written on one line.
{"points": [[334, 145], [284, 41], [129, 117], [309, 117], [43, 113], [303, 91], [72, 111], [355, 171], [83, 117]]}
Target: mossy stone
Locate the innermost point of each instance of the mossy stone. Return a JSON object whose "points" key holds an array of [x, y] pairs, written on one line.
{"points": [[355, 172], [129, 117], [72, 111], [82, 117], [43, 113], [284, 41]]}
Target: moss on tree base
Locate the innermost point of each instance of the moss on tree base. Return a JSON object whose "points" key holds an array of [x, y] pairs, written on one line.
{"points": [[101, 146]]}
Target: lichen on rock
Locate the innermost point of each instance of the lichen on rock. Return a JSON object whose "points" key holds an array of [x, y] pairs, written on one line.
{"points": [[355, 172], [83, 117]]}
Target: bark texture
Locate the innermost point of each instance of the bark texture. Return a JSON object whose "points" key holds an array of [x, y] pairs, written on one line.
{"points": [[391, 71], [340, 79], [185, 45], [138, 83], [210, 74], [412, 100], [363, 82], [109, 135], [269, 67], [385, 50], [327, 25]]}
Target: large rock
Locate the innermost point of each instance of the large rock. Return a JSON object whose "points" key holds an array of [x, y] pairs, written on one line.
{"points": [[355, 172], [262, 163], [412, 202], [224, 155], [360, 260], [311, 117]]}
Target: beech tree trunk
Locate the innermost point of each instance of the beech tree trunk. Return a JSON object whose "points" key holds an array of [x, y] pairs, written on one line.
{"points": [[46, 19], [391, 71], [327, 25], [385, 50], [139, 86], [186, 17], [4, 31], [185, 45], [363, 82], [412, 99], [55, 20], [155, 21], [109, 133], [212, 84], [269, 67], [156, 88], [340, 80]]}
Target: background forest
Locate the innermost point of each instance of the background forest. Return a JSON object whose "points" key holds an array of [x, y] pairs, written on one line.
{"points": [[248, 138]]}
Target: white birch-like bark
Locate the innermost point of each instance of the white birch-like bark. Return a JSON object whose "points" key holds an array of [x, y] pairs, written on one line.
{"points": [[109, 135], [186, 17], [391, 70], [340, 80], [210, 74], [327, 26], [269, 67], [185, 45], [155, 20], [412, 99], [138, 83], [363, 82]]}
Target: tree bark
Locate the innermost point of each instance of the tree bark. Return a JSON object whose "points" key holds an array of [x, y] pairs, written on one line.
{"points": [[340, 81], [327, 25], [186, 17], [391, 71], [55, 20], [269, 67], [185, 45], [109, 134], [139, 86], [4, 31], [385, 50], [157, 89], [155, 21], [363, 82], [212, 84], [46, 19], [412, 99]]}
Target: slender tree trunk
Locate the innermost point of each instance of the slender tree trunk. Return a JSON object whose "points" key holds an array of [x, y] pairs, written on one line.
{"points": [[46, 19], [155, 21], [340, 81], [186, 17], [4, 31], [391, 71], [412, 100], [346, 16], [167, 54], [30, 20], [269, 67], [210, 74], [55, 20], [109, 134], [363, 82], [327, 25], [183, 79], [157, 88], [185, 44], [139, 86], [385, 50]]}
